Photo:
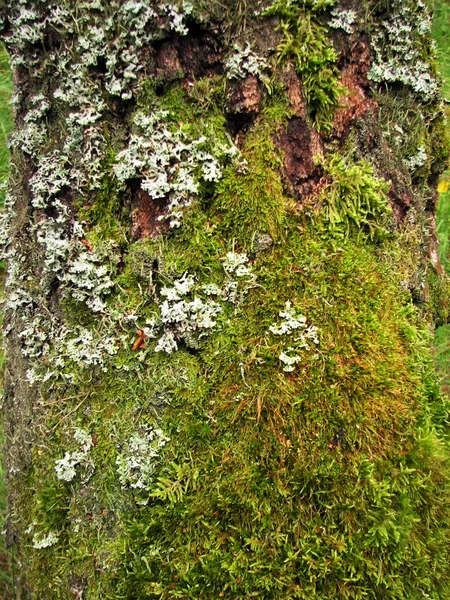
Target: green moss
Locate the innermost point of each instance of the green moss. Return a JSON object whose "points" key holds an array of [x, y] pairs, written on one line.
{"points": [[274, 485], [6, 123], [255, 484], [355, 199], [305, 43], [439, 143], [108, 214], [252, 202], [439, 296], [197, 109]]}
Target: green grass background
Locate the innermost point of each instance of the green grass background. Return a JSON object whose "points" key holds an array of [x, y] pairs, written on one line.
{"points": [[6, 124], [441, 32]]}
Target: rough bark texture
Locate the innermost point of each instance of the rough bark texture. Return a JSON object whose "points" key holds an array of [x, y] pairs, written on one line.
{"points": [[222, 283]]}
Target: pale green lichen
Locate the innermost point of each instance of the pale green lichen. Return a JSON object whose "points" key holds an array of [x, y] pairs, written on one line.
{"points": [[398, 50], [417, 160], [45, 541], [343, 19], [65, 468], [300, 336], [183, 314], [168, 163], [138, 460], [289, 359], [243, 62]]}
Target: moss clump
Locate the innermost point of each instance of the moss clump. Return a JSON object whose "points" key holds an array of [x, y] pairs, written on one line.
{"points": [[305, 43], [327, 481], [354, 199], [252, 202], [300, 485]]}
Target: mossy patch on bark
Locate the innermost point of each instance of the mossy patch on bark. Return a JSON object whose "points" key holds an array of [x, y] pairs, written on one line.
{"points": [[229, 379]]}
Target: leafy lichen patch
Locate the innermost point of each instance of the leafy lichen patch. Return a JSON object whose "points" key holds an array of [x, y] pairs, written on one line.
{"points": [[402, 52], [169, 164]]}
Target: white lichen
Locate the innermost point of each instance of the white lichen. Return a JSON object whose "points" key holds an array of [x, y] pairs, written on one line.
{"points": [[301, 335], [211, 289], [236, 264], [243, 62], [343, 19], [168, 163], [184, 318], [166, 343], [417, 160], [65, 467], [186, 311], [44, 542], [140, 457], [289, 360]]}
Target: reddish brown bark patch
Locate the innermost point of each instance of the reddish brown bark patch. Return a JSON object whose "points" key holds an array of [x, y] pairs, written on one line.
{"points": [[294, 93], [355, 64], [191, 57], [355, 104], [245, 97], [145, 216], [299, 143]]}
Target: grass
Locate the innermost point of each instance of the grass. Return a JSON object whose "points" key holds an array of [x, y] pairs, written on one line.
{"points": [[6, 123], [441, 29]]}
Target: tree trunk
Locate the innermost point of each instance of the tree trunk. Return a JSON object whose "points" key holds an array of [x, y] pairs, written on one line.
{"points": [[222, 286]]}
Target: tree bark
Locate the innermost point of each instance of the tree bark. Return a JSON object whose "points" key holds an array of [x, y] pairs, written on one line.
{"points": [[222, 287]]}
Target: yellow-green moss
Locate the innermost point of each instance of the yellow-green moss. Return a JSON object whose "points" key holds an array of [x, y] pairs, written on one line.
{"points": [[354, 199], [326, 482], [305, 42], [252, 202]]}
